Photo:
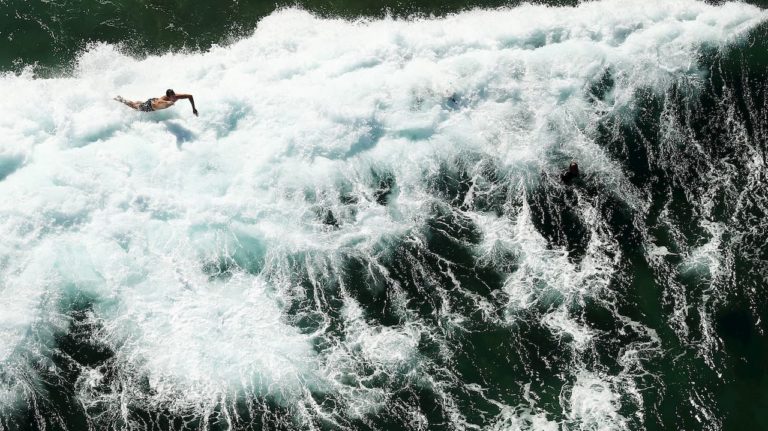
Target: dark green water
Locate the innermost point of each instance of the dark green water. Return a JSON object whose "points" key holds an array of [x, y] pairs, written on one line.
{"points": [[706, 368]]}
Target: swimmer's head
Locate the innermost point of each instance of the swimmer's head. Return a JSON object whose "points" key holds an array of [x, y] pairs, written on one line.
{"points": [[573, 168], [170, 93]]}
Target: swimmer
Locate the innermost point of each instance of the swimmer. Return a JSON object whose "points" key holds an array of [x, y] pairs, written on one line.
{"points": [[158, 103], [571, 173]]}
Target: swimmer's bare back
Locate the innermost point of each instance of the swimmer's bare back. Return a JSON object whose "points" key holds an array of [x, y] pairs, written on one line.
{"points": [[158, 103]]}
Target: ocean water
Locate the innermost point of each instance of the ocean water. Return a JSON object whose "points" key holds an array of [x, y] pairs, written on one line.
{"points": [[365, 228]]}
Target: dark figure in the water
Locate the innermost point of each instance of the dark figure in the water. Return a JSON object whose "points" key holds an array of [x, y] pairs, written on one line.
{"points": [[158, 103], [571, 173]]}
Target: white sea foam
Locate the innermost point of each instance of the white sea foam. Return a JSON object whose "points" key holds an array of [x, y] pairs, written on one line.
{"points": [[593, 404], [127, 209], [523, 419]]}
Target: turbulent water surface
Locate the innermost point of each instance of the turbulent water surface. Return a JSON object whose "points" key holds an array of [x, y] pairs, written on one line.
{"points": [[365, 228]]}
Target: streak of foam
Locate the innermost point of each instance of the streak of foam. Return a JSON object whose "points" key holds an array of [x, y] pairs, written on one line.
{"points": [[546, 276]]}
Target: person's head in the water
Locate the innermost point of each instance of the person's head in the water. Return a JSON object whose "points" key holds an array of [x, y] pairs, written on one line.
{"points": [[170, 93], [571, 173], [574, 169]]}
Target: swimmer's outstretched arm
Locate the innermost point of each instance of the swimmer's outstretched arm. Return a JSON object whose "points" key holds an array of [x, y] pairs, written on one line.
{"points": [[191, 100]]}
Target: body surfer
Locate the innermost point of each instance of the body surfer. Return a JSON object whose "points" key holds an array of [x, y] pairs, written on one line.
{"points": [[571, 173], [158, 103]]}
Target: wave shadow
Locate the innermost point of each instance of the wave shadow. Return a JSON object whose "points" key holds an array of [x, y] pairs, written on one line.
{"points": [[10, 164], [182, 134]]}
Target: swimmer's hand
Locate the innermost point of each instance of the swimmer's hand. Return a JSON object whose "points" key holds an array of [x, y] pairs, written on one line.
{"points": [[194, 111]]}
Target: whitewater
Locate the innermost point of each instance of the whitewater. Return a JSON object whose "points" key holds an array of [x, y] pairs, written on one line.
{"points": [[352, 202]]}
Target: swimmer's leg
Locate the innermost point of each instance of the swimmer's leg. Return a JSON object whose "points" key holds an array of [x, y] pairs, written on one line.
{"points": [[134, 105]]}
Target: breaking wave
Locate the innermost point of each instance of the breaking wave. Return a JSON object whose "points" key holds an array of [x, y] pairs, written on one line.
{"points": [[366, 229]]}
